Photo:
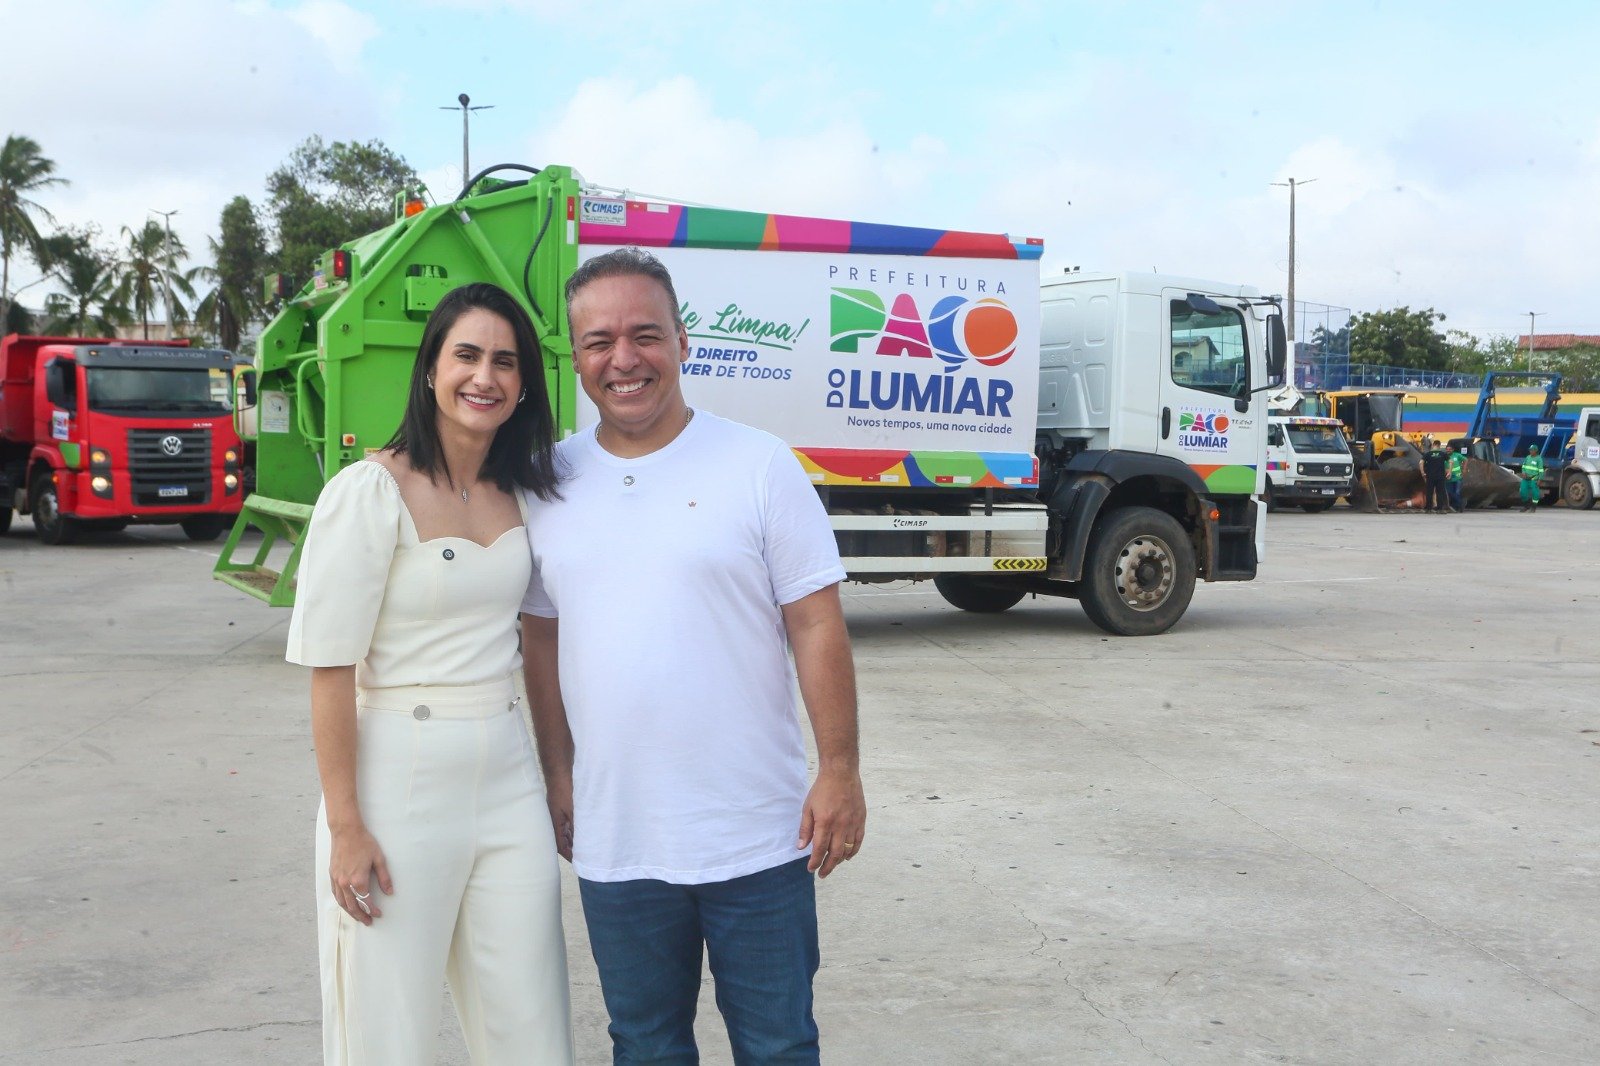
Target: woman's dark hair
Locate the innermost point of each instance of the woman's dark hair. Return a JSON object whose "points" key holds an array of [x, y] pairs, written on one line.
{"points": [[520, 455]]}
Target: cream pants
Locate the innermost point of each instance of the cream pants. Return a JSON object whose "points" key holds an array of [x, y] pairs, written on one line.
{"points": [[448, 787]]}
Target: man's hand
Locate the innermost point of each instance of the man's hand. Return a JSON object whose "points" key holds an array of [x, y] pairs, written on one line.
{"points": [[833, 820], [558, 796]]}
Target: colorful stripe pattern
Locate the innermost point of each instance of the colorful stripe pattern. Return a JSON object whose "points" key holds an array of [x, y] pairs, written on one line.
{"points": [[658, 225], [981, 470], [1448, 412]]}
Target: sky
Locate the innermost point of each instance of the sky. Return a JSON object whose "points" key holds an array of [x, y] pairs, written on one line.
{"points": [[1454, 147]]}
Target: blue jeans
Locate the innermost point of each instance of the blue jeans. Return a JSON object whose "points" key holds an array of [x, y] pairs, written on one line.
{"points": [[1454, 489], [760, 932]]}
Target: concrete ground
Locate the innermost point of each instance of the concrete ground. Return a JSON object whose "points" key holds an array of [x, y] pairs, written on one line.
{"points": [[1346, 813]]}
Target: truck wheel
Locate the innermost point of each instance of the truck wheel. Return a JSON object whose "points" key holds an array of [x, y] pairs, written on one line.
{"points": [[1139, 573], [1577, 491], [203, 527], [980, 597], [5, 520], [1272, 497], [1316, 506], [53, 526]]}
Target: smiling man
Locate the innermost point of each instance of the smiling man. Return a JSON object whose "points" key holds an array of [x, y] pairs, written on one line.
{"points": [[687, 556]]}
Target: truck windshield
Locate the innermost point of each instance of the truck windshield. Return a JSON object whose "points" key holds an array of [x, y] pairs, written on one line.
{"points": [[130, 389], [1385, 411], [1318, 440]]}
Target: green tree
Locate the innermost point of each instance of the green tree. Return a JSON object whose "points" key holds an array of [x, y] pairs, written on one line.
{"points": [[240, 256], [148, 272], [1325, 341], [1579, 366], [1470, 354], [1400, 337], [23, 172], [88, 304], [327, 194]]}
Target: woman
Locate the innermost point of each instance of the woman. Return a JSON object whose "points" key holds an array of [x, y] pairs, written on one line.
{"points": [[433, 841]]}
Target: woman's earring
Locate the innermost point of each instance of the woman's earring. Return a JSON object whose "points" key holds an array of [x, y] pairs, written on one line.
{"points": [[524, 396], [430, 381]]}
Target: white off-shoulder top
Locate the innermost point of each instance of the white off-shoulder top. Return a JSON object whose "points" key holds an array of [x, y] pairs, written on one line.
{"points": [[404, 611]]}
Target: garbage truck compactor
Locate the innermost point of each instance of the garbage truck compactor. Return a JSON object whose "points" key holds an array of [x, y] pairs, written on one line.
{"points": [[1099, 438]]}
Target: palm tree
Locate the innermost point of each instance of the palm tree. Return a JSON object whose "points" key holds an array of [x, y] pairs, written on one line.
{"points": [[87, 306], [148, 271], [22, 171], [240, 256]]}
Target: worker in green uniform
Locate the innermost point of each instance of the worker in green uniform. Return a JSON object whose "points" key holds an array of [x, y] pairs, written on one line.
{"points": [[1532, 471], [1452, 477]]}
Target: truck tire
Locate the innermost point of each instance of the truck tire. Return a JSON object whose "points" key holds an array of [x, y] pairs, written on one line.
{"points": [[980, 597], [1577, 492], [1316, 506], [1139, 572], [5, 520], [52, 526], [203, 527], [1272, 498]]}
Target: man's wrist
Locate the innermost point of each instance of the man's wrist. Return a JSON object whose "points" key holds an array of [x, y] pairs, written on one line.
{"points": [[839, 766]]}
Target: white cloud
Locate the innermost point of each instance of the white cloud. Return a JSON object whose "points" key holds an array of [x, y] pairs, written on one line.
{"points": [[668, 140], [341, 30], [185, 104]]}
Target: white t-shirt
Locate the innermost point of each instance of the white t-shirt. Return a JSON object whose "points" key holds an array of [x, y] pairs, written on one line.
{"points": [[668, 572]]}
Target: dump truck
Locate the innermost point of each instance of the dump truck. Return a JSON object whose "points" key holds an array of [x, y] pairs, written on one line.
{"points": [[97, 433], [1580, 471], [1569, 441], [1092, 437]]}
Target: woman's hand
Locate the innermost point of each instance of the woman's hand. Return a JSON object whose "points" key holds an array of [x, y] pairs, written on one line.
{"points": [[356, 857]]}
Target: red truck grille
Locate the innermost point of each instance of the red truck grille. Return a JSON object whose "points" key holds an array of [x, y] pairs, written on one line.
{"points": [[169, 467]]}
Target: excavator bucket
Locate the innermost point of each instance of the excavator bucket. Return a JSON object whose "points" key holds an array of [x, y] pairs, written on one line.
{"points": [[1485, 484], [1388, 488], [1396, 483]]}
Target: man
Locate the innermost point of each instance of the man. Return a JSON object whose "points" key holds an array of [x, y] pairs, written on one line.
{"points": [[1452, 477], [1434, 459], [686, 552], [1532, 472]]}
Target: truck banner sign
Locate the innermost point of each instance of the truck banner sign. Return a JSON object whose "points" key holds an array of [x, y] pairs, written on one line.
{"points": [[864, 353]]}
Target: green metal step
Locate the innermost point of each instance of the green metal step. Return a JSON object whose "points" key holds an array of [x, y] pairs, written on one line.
{"points": [[276, 519]]}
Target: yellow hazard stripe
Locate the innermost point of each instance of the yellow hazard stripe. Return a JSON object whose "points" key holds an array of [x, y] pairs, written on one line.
{"points": [[1019, 564]]}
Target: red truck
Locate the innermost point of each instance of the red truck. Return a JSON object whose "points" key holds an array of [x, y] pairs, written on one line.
{"points": [[98, 433]]}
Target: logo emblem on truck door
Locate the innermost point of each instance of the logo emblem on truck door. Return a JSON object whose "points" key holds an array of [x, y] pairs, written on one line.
{"points": [[172, 444]]}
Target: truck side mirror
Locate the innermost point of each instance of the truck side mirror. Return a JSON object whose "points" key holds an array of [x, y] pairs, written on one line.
{"points": [[1277, 347], [60, 383], [248, 380]]}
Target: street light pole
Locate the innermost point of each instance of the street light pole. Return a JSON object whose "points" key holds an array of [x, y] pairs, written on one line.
{"points": [[1289, 322], [465, 103], [166, 272], [1531, 316]]}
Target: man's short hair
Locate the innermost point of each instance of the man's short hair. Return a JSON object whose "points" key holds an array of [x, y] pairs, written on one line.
{"points": [[630, 262]]}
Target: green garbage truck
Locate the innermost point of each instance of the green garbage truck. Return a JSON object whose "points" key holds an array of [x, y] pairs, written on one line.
{"points": [[903, 365]]}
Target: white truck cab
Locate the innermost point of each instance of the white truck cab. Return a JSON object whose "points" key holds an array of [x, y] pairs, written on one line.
{"points": [[1308, 462], [1580, 481]]}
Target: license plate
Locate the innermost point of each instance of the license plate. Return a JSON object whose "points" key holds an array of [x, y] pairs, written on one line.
{"points": [[166, 491], [1325, 492]]}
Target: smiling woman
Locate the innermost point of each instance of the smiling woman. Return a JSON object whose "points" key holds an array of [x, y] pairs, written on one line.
{"points": [[432, 829]]}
